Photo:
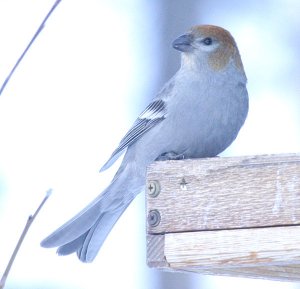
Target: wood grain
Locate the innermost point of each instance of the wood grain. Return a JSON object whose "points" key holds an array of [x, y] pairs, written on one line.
{"points": [[234, 248], [224, 193], [156, 251], [227, 216], [268, 253], [270, 272]]}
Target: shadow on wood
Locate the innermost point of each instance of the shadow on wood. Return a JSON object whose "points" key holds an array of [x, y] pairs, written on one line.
{"points": [[236, 216]]}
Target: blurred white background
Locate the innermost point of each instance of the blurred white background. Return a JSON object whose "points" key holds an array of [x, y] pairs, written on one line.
{"points": [[86, 78]]}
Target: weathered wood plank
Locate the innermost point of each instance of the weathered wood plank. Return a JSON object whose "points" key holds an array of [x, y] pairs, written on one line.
{"points": [[226, 216], [234, 248], [269, 253], [226, 193], [156, 251], [271, 272]]}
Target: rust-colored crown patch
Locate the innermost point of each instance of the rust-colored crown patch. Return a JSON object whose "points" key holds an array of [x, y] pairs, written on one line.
{"points": [[227, 47]]}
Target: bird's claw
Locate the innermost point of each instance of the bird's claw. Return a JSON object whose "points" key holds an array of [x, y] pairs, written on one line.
{"points": [[167, 156]]}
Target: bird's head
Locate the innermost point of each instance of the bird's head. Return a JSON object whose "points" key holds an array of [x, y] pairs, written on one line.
{"points": [[208, 45]]}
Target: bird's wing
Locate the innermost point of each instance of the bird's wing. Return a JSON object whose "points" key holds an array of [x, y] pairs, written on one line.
{"points": [[152, 115]]}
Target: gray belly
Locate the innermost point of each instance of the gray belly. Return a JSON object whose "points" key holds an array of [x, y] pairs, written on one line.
{"points": [[194, 129]]}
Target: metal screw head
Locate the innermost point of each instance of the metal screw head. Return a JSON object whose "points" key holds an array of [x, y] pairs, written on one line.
{"points": [[153, 188], [153, 218]]}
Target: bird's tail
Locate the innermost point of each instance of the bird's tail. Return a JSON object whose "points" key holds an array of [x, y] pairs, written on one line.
{"points": [[86, 232]]}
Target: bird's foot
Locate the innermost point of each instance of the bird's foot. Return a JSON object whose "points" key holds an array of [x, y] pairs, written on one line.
{"points": [[167, 156]]}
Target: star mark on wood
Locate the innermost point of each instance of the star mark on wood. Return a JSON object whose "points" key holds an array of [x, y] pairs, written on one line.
{"points": [[183, 184]]}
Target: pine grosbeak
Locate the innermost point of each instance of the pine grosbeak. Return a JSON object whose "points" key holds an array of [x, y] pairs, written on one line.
{"points": [[198, 113]]}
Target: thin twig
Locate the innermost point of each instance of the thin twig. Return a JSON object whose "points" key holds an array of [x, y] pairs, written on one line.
{"points": [[29, 45], [25, 230]]}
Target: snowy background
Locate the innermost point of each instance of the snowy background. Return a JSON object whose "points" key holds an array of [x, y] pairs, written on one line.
{"points": [[90, 73]]}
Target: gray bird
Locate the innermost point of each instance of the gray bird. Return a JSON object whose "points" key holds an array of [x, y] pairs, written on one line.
{"points": [[198, 113]]}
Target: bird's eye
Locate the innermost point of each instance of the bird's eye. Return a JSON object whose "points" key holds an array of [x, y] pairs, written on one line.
{"points": [[207, 41]]}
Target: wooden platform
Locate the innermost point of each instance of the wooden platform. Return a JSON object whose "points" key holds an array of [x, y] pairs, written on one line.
{"points": [[235, 216]]}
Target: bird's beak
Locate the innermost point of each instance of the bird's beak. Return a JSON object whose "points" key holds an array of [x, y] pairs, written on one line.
{"points": [[183, 43]]}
